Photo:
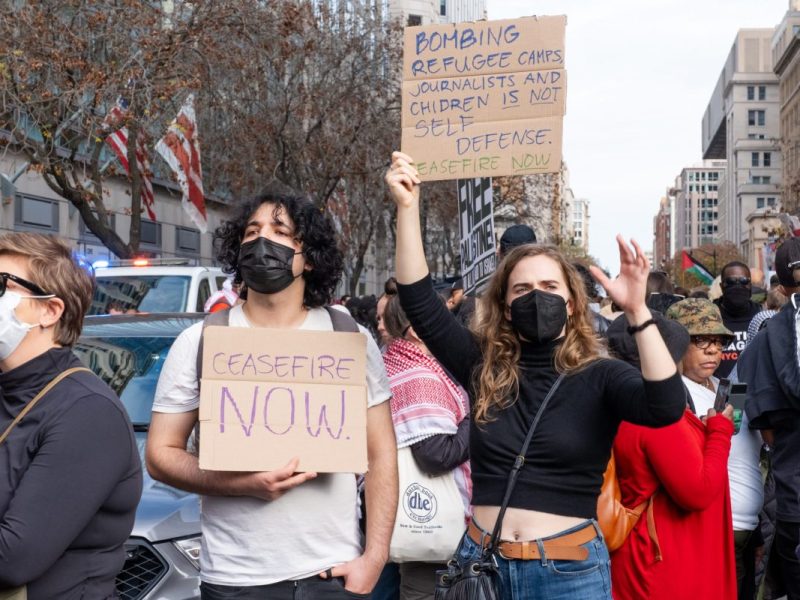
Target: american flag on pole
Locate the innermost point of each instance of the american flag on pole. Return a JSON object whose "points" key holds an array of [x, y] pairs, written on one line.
{"points": [[118, 142], [180, 148]]}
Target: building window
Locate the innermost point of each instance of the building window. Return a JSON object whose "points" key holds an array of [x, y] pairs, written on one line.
{"points": [[751, 92], [762, 92], [187, 241], [414, 20], [754, 159], [87, 236], [761, 179], [756, 118], [771, 202], [767, 159], [150, 236], [36, 213], [443, 8], [760, 202]]}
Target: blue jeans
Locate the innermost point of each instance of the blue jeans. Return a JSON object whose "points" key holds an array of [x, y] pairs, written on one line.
{"points": [[588, 579]]}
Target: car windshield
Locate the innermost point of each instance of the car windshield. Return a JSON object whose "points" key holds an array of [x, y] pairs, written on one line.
{"points": [[140, 293], [130, 366]]}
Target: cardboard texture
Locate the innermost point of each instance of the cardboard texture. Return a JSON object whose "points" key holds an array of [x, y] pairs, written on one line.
{"points": [[485, 98], [268, 395]]}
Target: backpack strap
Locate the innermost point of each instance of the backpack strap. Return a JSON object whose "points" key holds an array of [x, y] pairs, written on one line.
{"points": [[220, 318], [342, 321]]}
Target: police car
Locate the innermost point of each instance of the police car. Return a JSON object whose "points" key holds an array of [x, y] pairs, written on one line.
{"points": [[153, 286]]}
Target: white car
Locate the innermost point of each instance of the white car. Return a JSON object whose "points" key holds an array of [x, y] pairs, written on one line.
{"points": [[153, 286]]}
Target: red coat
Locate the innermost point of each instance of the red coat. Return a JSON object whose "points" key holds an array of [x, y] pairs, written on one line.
{"points": [[687, 465]]}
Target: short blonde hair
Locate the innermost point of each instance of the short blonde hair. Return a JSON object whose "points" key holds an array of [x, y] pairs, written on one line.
{"points": [[52, 267]]}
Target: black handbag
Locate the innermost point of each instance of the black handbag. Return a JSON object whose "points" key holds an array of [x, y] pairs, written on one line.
{"points": [[479, 579]]}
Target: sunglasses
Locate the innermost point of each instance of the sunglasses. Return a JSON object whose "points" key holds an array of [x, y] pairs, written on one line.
{"points": [[32, 287], [704, 343], [735, 281]]}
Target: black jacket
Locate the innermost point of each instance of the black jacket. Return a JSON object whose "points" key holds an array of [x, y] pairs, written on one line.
{"points": [[771, 369], [70, 481]]}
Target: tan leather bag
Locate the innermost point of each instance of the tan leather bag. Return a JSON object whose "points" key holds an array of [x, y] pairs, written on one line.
{"points": [[616, 521]]}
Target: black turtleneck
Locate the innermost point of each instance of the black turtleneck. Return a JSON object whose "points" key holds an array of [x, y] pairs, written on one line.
{"points": [[70, 481], [564, 467]]}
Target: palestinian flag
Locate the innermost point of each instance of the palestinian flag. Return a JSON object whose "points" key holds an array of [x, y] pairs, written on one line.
{"points": [[691, 265]]}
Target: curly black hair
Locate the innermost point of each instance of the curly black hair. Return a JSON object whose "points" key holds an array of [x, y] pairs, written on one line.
{"points": [[313, 228]]}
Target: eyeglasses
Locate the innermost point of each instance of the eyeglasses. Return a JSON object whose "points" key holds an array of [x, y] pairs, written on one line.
{"points": [[4, 277], [704, 342], [735, 281]]}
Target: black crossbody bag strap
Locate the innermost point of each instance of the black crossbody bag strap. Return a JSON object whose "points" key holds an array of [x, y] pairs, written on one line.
{"points": [[520, 460]]}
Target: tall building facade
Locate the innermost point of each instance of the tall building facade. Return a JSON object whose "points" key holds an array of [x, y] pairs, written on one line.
{"points": [[697, 204], [580, 223], [428, 12], [741, 125], [662, 234], [786, 64]]}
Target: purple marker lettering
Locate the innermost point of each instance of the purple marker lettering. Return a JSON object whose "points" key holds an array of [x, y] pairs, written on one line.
{"points": [[343, 370], [281, 366], [233, 362], [249, 363], [323, 416], [215, 366], [324, 363], [295, 366], [266, 408], [226, 395]]}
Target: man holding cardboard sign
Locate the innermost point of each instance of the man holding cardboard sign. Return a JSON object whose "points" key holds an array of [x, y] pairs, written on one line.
{"points": [[276, 400]]}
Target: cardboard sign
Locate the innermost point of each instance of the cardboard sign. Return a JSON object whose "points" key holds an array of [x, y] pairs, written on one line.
{"points": [[268, 395], [485, 98], [476, 226]]}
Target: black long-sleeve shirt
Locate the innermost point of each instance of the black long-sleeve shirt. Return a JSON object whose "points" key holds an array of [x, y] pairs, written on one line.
{"points": [[564, 466], [70, 481]]}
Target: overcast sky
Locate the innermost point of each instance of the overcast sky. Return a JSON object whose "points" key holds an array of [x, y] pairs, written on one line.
{"points": [[641, 73]]}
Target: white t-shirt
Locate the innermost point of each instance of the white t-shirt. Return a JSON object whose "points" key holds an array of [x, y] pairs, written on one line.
{"points": [[744, 473], [248, 541]]}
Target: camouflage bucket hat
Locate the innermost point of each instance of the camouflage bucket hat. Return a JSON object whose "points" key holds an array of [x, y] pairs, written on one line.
{"points": [[700, 317]]}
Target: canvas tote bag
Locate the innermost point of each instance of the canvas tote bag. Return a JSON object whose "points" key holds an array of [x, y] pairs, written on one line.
{"points": [[430, 514]]}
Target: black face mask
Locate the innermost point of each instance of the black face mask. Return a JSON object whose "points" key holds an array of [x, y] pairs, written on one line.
{"points": [[266, 266], [736, 299], [539, 316]]}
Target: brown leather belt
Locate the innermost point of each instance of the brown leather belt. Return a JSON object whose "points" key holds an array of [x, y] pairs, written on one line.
{"points": [[564, 547]]}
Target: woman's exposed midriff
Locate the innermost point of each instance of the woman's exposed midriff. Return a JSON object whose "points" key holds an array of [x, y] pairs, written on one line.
{"points": [[523, 524]]}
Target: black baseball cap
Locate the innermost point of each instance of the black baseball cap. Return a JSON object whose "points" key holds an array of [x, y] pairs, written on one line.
{"points": [[516, 235], [458, 284], [787, 261]]}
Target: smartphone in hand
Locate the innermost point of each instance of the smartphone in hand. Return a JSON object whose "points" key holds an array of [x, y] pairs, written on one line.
{"points": [[722, 395]]}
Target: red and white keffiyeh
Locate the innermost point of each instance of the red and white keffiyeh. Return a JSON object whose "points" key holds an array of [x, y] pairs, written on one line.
{"points": [[425, 401]]}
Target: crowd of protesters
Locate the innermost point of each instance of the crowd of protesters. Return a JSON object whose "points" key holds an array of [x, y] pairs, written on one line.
{"points": [[556, 372]]}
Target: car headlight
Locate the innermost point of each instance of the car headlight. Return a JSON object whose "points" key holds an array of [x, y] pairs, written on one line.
{"points": [[190, 548]]}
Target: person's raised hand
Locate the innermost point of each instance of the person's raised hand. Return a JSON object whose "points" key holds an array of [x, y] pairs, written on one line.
{"points": [[403, 180], [628, 290]]}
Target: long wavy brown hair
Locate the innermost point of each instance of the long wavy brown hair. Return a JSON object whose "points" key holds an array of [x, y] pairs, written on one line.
{"points": [[497, 381]]}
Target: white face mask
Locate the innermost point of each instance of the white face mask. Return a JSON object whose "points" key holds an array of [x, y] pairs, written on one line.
{"points": [[12, 330]]}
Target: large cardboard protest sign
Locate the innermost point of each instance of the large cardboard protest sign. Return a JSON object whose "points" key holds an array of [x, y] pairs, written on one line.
{"points": [[485, 98], [476, 226], [268, 395]]}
